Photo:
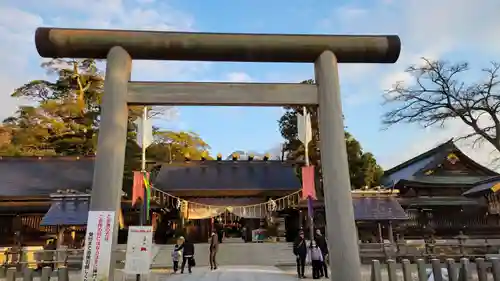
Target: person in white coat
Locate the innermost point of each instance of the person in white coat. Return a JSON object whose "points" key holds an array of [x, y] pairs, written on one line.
{"points": [[316, 257]]}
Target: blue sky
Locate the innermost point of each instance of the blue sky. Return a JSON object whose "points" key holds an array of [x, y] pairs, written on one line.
{"points": [[453, 30]]}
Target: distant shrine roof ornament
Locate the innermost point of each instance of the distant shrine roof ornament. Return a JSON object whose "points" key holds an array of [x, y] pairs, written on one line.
{"points": [[266, 157], [235, 156], [452, 158], [204, 155]]}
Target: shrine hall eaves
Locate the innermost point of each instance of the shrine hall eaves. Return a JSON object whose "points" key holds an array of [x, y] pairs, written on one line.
{"points": [[226, 175], [42, 176], [408, 169]]}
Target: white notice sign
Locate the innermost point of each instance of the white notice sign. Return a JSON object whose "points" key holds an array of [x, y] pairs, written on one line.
{"points": [[98, 246], [139, 250]]}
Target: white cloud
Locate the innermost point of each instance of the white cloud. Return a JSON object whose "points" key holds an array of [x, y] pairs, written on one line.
{"points": [[483, 153], [350, 13], [16, 31], [19, 60], [429, 29], [450, 24], [238, 77]]}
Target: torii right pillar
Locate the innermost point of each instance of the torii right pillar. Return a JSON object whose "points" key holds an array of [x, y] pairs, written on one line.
{"points": [[341, 231]]}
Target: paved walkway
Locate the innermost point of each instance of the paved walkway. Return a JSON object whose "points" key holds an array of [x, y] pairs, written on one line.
{"points": [[261, 254], [233, 273]]}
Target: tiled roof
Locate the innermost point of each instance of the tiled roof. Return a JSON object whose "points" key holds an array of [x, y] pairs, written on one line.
{"points": [[30, 176], [411, 168], [456, 181], [415, 164], [439, 201], [69, 212], [227, 175], [483, 188], [377, 209]]}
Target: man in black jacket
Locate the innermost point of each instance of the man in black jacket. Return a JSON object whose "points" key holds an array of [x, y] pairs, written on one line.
{"points": [[300, 252], [321, 242], [187, 254]]}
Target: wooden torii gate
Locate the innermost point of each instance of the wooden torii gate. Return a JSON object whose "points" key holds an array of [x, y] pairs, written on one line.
{"points": [[325, 51]]}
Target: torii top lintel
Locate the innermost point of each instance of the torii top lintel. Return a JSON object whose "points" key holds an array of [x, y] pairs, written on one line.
{"points": [[190, 46]]}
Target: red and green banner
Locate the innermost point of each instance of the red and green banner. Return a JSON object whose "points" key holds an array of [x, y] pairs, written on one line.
{"points": [[141, 189], [147, 191]]}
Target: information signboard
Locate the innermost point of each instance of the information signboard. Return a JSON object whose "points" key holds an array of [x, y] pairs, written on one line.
{"points": [[139, 250], [98, 246]]}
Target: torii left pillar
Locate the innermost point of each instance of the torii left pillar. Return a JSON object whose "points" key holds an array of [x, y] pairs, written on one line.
{"points": [[108, 168]]}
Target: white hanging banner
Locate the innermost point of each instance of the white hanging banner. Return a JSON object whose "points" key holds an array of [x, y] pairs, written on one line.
{"points": [[144, 131], [304, 129], [98, 246], [139, 250]]}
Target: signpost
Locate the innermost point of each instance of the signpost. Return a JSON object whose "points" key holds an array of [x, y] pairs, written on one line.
{"points": [[139, 250], [98, 246], [144, 139], [305, 135]]}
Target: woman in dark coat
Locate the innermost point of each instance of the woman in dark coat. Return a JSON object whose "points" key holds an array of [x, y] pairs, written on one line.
{"points": [[321, 242], [300, 252], [187, 249]]}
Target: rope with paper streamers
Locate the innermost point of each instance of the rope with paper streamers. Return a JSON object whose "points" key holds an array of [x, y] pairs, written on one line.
{"points": [[195, 210]]}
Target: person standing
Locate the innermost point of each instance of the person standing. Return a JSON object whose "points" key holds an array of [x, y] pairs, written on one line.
{"points": [[321, 242], [187, 254], [221, 234], [316, 258], [214, 247], [176, 255], [300, 252], [244, 233]]}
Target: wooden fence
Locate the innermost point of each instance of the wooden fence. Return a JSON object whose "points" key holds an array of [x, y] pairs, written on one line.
{"points": [[480, 270], [428, 250]]}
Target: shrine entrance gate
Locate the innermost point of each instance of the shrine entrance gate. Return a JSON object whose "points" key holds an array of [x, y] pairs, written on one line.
{"points": [[325, 51]]}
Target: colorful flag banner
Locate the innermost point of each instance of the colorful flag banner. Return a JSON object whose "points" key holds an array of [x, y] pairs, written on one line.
{"points": [[308, 188], [147, 190], [310, 209], [121, 219], [141, 189], [137, 188]]}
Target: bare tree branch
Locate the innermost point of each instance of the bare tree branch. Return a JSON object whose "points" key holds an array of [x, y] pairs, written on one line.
{"points": [[441, 93]]}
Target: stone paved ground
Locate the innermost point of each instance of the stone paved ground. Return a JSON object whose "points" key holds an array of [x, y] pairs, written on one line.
{"points": [[262, 254], [233, 273], [229, 273], [271, 261]]}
